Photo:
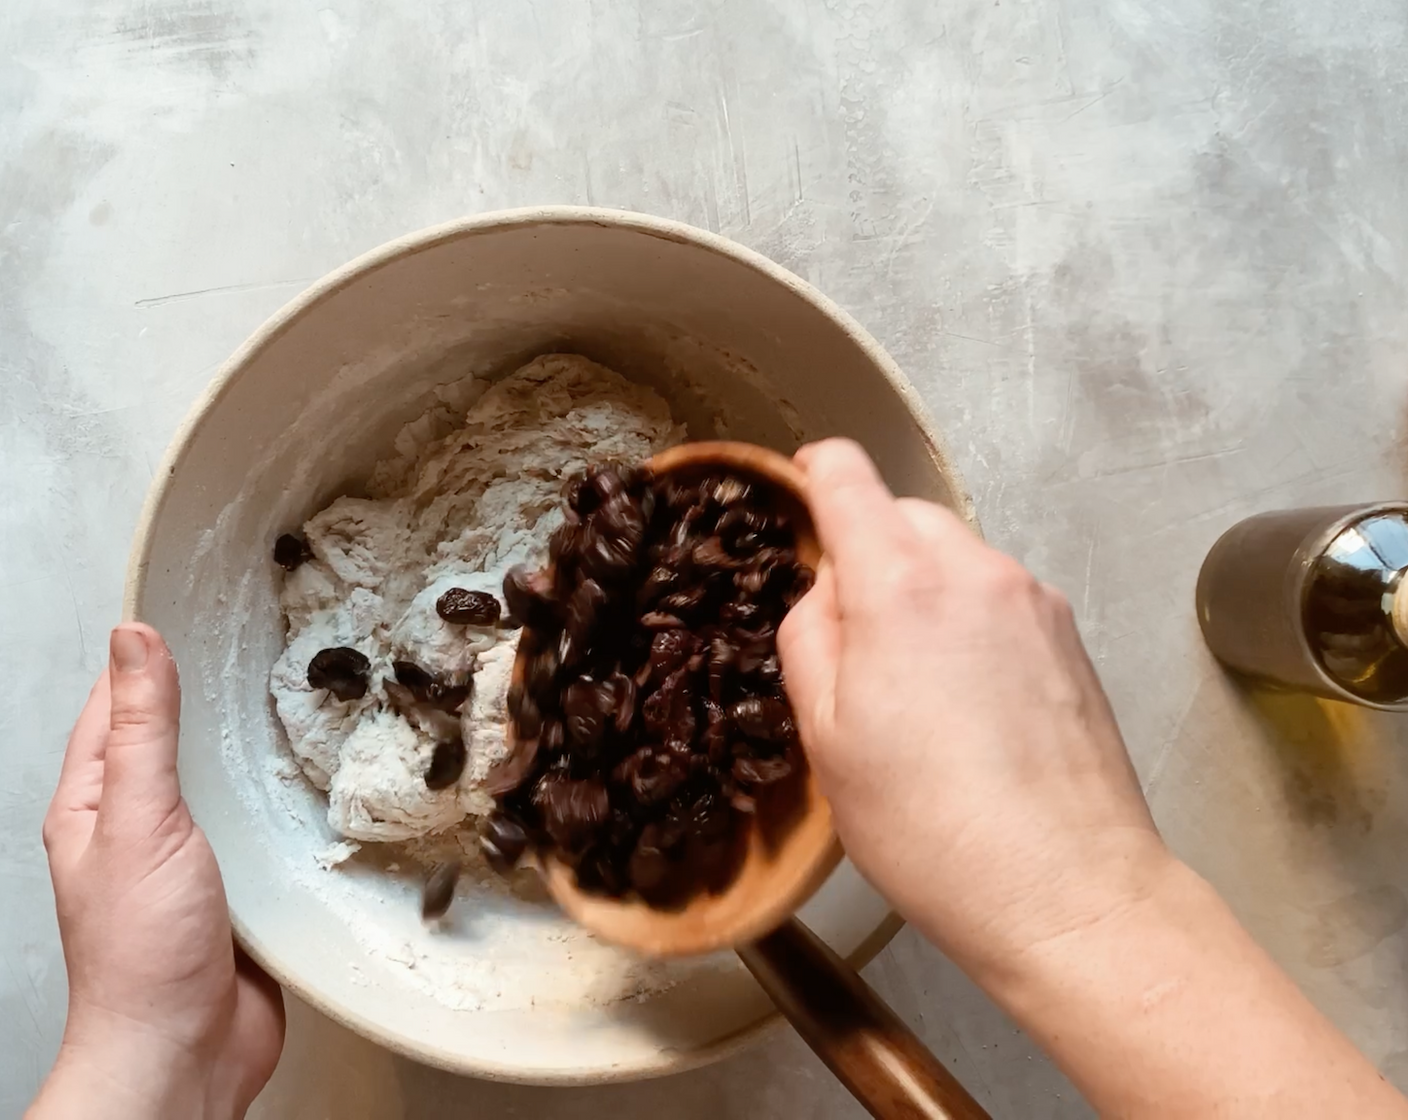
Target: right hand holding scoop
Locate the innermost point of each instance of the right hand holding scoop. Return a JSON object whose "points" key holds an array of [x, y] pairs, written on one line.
{"points": [[971, 758]]}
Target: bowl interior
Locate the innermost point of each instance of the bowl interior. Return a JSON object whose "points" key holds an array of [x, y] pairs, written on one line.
{"points": [[298, 416]]}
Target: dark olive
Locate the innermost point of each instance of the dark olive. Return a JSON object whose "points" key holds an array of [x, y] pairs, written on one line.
{"points": [[762, 717], [412, 676], [761, 771], [588, 705], [540, 673], [468, 608], [553, 736], [605, 557], [572, 809], [711, 553], [605, 484], [624, 690], [653, 775], [529, 597], [290, 552], [715, 737], [670, 649], [446, 764], [343, 671], [584, 608], [668, 709], [684, 602], [439, 890], [503, 841]]}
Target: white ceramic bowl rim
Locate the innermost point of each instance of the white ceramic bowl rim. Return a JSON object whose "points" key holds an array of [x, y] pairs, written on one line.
{"points": [[399, 249]]}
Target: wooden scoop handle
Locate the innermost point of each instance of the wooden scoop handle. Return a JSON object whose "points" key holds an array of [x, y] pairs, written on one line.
{"points": [[851, 1029]]}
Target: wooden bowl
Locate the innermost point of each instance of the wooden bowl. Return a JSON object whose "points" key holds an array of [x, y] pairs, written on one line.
{"points": [[778, 872]]}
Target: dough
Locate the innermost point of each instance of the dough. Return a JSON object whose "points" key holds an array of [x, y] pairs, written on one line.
{"points": [[457, 512]]}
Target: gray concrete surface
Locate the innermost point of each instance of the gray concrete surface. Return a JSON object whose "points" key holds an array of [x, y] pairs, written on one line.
{"points": [[1144, 258]]}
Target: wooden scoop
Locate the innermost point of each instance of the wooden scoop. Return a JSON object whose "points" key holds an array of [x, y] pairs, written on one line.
{"points": [[774, 880], [851, 1029]]}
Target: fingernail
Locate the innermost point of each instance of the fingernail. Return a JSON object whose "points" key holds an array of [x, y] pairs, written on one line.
{"points": [[128, 650]]}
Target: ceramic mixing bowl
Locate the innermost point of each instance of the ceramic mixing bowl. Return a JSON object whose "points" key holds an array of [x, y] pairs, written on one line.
{"points": [[741, 348]]}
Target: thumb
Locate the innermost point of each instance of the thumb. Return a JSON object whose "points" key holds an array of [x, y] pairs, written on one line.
{"points": [[139, 774]]}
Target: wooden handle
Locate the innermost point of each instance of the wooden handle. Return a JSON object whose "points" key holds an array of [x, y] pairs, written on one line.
{"points": [[851, 1029]]}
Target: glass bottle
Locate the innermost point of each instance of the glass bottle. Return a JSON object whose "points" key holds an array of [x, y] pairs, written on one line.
{"points": [[1314, 599]]}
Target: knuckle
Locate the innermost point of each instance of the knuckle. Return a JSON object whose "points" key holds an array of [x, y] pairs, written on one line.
{"points": [[137, 719], [130, 717], [130, 704], [837, 449], [901, 581], [1005, 578], [1059, 603], [914, 567], [913, 578], [932, 522], [57, 836]]}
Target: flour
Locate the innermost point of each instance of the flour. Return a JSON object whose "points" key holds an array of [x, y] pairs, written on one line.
{"points": [[457, 511]]}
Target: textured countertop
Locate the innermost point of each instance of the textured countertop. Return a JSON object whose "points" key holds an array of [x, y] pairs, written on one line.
{"points": [[1145, 262]]}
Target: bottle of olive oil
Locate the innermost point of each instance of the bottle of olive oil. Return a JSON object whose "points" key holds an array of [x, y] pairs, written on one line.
{"points": [[1314, 599]]}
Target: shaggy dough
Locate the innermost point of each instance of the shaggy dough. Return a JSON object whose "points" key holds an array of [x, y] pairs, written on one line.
{"points": [[458, 511]]}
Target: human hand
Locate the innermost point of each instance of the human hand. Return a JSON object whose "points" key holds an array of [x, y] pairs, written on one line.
{"points": [[978, 779], [165, 1016], [972, 762]]}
